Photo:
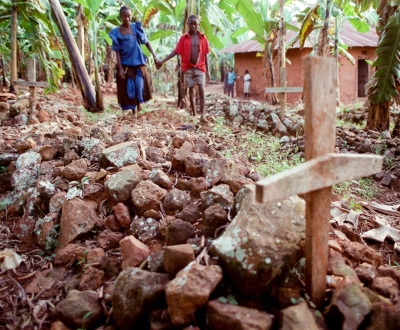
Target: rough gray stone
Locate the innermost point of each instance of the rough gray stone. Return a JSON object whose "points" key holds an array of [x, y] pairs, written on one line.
{"points": [[262, 241], [120, 155]]}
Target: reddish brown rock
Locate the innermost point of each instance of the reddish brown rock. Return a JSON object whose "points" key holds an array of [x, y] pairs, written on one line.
{"points": [[43, 116], [69, 157], [46, 233], [152, 214], [177, 257], [386, 271], [298, 317], [24, 229], [190, 290], [45, 280], [108, 239], [220, 194], [197, 186], [175, 201], [120, 185], [179, 139], [213, 218], [237, 183], [111, 223], [134, 252], [57, 201], [108, 265], [358, 253], [136, 293], [366, 273], [145, 229], [147, 196], [66, 255], [91, 279], [348, 307], [190, 213], [221, 170], [160, 178], [386, 286], [194, 164], [226, 316], [47, 153], [156, 155], [76, 170], [337, 265], [123, 215], [58, 325], [384, 316], [94, 255], [24, 145], [77, 217], [178, 160], [80, 309], [178, 232]]}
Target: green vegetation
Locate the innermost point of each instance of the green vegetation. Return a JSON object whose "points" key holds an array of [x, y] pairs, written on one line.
{"points": [[365, 188]]}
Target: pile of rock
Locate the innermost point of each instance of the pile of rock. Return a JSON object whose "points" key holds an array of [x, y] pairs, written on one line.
{"points": [[254, 113], [16, 112], [172, 237]]}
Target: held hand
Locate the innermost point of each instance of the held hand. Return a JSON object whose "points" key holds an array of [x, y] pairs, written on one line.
{"points": [[208, 76], [159, 63], [121, 73]]}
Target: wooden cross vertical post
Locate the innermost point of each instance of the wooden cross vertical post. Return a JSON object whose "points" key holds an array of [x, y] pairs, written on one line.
{"points": [[282, 77], [320, 124], [322, 169]]}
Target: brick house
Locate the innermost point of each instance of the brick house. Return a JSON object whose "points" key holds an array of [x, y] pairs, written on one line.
{"points": [[352, 78]]}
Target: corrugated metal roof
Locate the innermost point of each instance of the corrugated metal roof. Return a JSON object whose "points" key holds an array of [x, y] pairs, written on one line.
{"points": [[348, 35]]}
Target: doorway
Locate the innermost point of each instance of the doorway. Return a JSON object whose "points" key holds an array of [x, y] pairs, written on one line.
{"points": [[363, 77]]}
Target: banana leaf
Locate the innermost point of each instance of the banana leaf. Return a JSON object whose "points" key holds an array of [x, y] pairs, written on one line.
{"points": [[382, 88]]}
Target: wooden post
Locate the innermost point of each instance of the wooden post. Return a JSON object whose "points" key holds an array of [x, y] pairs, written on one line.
{"points": [[320, 111], [322, 169], [77, 64], [282, 78], [31, 67], [13, 68], [80, 37]]}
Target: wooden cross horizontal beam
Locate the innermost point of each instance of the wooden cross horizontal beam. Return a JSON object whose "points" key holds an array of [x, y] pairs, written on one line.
{"points": [[31, 83], [283, 89], [317, 173]]}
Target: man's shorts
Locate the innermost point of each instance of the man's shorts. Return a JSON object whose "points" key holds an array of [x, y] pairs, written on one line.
{"points": [[194, 76]]}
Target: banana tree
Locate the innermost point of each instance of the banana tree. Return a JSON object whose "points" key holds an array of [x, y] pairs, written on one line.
{"points": [[97, 16], [382, 89]]}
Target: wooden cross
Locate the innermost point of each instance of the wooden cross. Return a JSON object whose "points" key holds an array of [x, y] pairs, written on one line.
{"points": [[31, 83], [322, 169], [283, 90]]}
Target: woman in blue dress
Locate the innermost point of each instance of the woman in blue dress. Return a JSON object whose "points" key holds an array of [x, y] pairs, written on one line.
{"points": [[133, 87]]}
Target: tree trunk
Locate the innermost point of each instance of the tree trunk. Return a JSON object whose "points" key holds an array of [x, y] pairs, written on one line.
{"points": [[396, 130], [269, 65], [323, 35], [80, 37], [110, 63], [13, 64], [378, 117], [379, 114], [77, 64]]}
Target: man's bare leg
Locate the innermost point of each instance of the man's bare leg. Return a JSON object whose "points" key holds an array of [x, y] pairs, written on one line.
{"points": [[192, 103], [202, 104]]}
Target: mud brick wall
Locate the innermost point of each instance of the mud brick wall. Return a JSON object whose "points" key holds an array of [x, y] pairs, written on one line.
{"points": [[348, 74]]}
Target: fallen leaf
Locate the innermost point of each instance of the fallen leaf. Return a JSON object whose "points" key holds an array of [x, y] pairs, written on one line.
{"points": [[9, 259]]}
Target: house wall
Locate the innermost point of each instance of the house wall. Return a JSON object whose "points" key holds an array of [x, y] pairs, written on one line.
{"points": [[348, 74]]}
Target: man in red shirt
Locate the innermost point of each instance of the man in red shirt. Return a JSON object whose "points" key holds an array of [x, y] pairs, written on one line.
{"points": [[193, 49]]}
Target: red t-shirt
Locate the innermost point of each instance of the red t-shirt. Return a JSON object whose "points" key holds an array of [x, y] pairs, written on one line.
{"points": [[184, 47]]}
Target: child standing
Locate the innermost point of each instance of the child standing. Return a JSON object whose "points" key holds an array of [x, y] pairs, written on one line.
{"points": [[247, 82], [193, 48]]}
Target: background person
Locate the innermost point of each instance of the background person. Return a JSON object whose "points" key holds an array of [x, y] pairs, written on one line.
{"points": [[133, 87], [193, 48], [231, 82], [247, 82]]}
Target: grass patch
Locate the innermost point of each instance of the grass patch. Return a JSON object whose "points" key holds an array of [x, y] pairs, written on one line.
{"points": [[364, 188]]}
